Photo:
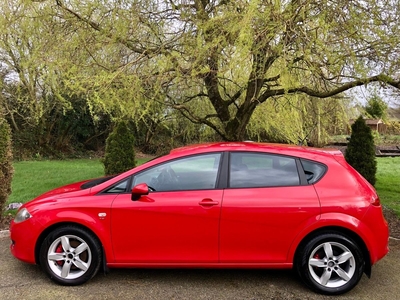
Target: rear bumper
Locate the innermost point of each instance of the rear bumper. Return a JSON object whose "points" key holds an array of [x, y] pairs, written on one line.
{"points": [[379, 239]]}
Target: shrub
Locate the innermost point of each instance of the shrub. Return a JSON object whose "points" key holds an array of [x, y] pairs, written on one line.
{"points": [[376, 107], [360, 153], [119, 153], [6, 167]]}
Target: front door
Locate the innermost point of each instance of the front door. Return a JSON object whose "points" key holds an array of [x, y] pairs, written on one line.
{"points": [[178, 221]]}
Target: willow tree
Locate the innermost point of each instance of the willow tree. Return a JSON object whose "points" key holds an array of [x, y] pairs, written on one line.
{"points": [[25, 47], [30, 85], [216, 61], [38, 56], [299, 119]]}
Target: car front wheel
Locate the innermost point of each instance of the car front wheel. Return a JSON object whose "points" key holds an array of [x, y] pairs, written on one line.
{"points": [[330, 263], [70, 255]]}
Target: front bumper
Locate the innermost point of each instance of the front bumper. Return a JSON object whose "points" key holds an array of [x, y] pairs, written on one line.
{"points": [[23, 240]]}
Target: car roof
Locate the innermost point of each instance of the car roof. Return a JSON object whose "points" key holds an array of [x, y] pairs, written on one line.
{"points": [[318, 154], [248, 146]]}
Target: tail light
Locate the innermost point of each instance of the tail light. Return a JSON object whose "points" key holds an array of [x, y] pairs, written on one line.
{"points": [[375, 201]]}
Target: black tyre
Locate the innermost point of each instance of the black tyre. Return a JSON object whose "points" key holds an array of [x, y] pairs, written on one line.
{"points": [[70, 255], [330, 263]]}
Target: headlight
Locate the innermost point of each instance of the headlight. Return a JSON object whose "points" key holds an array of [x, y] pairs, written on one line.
{"points": [[22, 215]]}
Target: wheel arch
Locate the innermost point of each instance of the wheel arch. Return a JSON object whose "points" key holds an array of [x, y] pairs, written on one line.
{"points": [[340, 230], [53, 227]]}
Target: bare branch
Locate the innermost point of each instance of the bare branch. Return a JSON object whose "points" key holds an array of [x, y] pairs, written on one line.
{"points": [[184, 110], [322, 94]]}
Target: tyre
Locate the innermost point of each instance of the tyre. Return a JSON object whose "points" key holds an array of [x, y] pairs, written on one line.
{"points": [[330, 263], [70, 255]]}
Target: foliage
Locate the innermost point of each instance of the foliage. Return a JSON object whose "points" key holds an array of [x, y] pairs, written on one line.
{"points": [[360, 153], [47, 116], [219, 64], [6, 167], [376, 107], [299, 119], [392, 128], [61, 133], [215, 62], [119, 154]]}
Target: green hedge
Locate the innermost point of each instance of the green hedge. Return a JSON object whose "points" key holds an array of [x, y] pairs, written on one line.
{"points": [[6, 167]]}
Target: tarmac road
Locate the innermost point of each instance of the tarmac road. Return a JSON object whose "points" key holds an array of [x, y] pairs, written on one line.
{"points": [[19, 280]]}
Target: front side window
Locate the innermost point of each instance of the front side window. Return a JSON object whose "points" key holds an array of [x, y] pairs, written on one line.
{"points": [[261, 170], [190, 173]]}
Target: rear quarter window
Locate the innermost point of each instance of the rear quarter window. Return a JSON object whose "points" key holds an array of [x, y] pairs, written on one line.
{"points": [[314, 171]]}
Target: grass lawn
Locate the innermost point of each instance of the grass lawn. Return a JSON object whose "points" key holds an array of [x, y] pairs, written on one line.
{"points": [[388, 182], [33, 178]]}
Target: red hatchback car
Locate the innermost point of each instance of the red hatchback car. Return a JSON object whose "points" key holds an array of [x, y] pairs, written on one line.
{"points": [[220, 205]]}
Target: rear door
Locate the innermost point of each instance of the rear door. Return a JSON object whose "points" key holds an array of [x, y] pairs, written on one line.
{"points": [[264, 208]]}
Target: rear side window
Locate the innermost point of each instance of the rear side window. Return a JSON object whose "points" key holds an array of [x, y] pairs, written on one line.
{"points": [[249, 169], [313, 170]]}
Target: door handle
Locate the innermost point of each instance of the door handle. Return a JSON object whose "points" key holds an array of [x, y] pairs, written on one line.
{"points": [[208, 203]]}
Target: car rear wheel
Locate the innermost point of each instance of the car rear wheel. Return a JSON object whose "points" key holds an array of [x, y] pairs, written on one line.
{"points": [[330, 263], [70, 255]]}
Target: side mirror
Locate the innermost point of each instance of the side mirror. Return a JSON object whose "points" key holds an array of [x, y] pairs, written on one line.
{"points": [[139, 190]]}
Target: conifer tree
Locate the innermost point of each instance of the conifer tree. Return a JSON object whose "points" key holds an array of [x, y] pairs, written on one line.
{"points": [[360, 153], [119, 154]]}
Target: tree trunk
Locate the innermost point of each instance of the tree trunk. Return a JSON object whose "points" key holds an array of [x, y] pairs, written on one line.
{"points": [[236, 128]]}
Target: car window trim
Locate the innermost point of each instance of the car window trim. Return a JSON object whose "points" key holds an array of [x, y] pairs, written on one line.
{"points": [[302, 174], [223, 176]]}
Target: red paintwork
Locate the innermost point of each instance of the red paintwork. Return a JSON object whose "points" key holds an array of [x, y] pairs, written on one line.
{"points": [[265, 221], [171, 227], [61, 190], [221, 228]]}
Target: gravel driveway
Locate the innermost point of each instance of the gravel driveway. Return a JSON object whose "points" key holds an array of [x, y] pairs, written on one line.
{"points": [[22, 281]]}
